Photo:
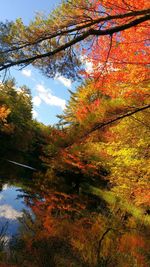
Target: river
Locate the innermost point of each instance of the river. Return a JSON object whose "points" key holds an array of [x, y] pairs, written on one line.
{"points": [[32, 219], [42, 227]]}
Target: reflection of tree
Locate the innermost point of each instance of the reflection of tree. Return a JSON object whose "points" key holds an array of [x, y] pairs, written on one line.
{"points": [[68, 230], [1, 186], [3, 230], [63, 232], [44, 248], [3, 242]]}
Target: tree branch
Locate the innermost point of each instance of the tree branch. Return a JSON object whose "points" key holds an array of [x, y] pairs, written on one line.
{"points": [[109, 122], [128, 114], [100, 243], [82, 36], [81, 27], [121, 27]]}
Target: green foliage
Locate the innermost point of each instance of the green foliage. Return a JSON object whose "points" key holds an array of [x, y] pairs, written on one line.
{"points": [[19, 120]]}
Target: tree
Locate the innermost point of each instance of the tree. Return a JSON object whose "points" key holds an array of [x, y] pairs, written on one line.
{"points": [[53, 43], [19, 132], [16, 126], [4, 112]]}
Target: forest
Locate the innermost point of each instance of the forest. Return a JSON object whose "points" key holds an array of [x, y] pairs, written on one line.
{"points": [[89, 189]]}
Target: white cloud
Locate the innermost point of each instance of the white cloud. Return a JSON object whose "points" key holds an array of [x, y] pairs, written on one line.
{"points": [[5, 187], [87, 64], [53, 100], [26, 73], [34, 114], [101, 67], [1, 197], [47, 97], [40, 88], [8, 212], [36, 101], [66, 82]]}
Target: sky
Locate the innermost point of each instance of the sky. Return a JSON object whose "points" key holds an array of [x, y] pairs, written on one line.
{"points": [[50, 96]]}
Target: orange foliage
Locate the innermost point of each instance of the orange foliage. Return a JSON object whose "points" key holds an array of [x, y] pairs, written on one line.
{"points": [[120, 6], [77, 161], [123, 57], [57, 206], [5, 127], [133, 245], [4, 112]]}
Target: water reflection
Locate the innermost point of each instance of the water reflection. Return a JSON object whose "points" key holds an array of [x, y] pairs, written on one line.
{"points": [[11, 208], [13, 179], [53, 228]]}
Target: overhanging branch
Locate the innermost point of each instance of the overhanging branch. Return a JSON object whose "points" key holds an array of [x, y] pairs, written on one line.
{"points": [[107, 123], [128, 114], [81, 36]]}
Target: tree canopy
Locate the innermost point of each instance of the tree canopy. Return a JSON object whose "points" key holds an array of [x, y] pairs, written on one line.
{"points": [[53, 43]]}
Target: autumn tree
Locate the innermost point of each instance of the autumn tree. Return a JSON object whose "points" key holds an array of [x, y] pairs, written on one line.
{"points": [[55, 44], [4, 112], [18, 103], [111, 38]]}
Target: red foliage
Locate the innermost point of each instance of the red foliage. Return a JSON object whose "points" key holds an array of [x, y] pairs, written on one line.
{"points": [[123, 57]]}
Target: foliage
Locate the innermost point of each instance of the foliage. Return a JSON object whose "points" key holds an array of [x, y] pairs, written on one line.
{"points": [[21, 137], [54, 43], [94, 186], [18, 107]]}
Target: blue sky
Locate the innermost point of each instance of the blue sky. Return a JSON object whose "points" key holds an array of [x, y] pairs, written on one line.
{"points": [[49, 95]]}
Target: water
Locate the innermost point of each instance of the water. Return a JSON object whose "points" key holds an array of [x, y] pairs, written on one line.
{"points": [[11, 209], [14, 183], [44, 227], [30, 221]]}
